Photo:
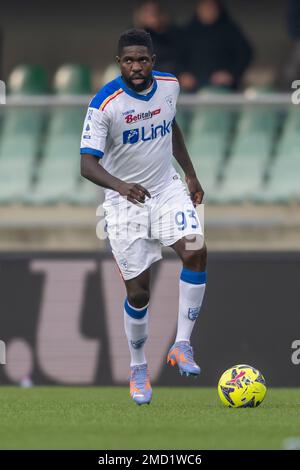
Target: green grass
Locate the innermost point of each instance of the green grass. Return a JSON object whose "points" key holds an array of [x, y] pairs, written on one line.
{"points": [[106, 418]]}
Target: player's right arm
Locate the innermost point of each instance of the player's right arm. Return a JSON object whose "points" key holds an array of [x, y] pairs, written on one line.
{"points": [[94, 172], [95, 131]]}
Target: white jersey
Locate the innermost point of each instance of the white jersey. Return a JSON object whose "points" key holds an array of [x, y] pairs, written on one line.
{"points": [[132, 132]]}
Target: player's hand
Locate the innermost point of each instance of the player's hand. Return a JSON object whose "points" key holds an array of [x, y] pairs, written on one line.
{"points": [[195, 188], [134, 192]]}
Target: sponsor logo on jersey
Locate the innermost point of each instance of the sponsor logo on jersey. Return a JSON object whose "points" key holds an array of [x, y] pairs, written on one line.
{"points": [[130, 118], [131, 137], [130, 111], [142, 134], [90, 113]]}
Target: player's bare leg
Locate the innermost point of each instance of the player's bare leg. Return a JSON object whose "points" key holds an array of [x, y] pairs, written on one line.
{"points": [[191, 292], [136, 329], [138, 289]]}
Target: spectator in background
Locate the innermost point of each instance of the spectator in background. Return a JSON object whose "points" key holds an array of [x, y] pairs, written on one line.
{"points": [[1, 55], [291, 70], [215, 51], [152, 17]]}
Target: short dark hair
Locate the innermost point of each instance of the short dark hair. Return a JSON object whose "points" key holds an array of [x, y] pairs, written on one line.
{"points": [[135, 37]]}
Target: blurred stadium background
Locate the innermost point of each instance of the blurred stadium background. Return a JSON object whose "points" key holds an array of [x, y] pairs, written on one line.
{"points": [[61, 296]]}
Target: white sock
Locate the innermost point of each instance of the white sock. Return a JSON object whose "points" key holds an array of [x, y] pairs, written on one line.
{"points": [[136, 329], [191, 292]]}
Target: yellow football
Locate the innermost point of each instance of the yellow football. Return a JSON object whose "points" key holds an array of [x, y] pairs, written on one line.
{"points": [[242, 386]]}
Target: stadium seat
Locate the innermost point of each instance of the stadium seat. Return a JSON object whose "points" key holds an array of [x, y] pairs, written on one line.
{"points": [[110, 73], [72, 79], [292, 123], [183, 118], [21, 134], [208, 141], [255, 120], [250, 154], [283, 178], [27, 80], [59, 171], [245, 170], [86, 193], [283, 175]]}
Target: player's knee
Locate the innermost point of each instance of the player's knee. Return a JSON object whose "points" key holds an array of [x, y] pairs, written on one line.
{"points": [[195, 259], [138, 298]]}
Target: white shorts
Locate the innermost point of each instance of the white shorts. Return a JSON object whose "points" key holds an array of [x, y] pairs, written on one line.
{"points": [[137, 232]]}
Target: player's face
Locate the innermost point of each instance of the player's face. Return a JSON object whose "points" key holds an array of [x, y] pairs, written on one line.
{"points": [[136, 65]]}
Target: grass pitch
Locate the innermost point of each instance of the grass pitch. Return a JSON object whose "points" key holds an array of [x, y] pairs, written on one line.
{"points": [[178, 418]]}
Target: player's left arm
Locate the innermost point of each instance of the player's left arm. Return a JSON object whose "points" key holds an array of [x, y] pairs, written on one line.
{"points": [[182, 156]]}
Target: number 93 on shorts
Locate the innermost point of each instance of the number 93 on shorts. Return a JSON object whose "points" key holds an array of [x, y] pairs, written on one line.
{"points": [[137, 232]]}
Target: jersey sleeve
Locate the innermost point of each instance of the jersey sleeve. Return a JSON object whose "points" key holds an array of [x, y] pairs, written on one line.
{"points": [[176, 93], [94, 134]]}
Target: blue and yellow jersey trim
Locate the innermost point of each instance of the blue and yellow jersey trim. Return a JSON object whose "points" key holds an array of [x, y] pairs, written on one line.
{"points": [[110, 91], [117, 86], [110, 97], [164, 76]]}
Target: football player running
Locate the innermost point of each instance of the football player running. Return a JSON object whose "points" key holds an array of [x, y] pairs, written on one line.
{"points": [[129, 138]]}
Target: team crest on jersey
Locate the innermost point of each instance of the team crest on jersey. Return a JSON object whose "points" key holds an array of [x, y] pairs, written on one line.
{"points": [[169, 100]]}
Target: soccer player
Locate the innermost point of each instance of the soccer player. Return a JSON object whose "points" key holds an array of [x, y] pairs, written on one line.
{"points": [[129, 137]]}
